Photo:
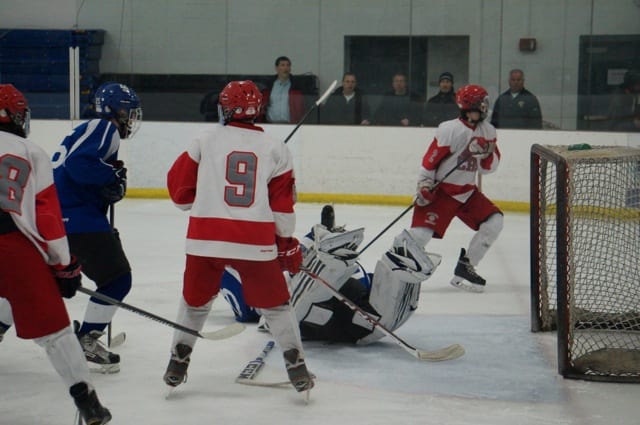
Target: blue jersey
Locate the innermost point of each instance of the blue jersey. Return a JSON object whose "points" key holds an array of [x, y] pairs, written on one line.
{"points": [[82, 168]]}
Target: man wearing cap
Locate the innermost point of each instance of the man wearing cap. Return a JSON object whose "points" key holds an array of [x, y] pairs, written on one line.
{"points": [[442, 106]]}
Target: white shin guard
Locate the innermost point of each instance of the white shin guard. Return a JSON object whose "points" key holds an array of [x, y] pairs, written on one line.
{"points": [[484, 238], [284, 327], [191, 317], [66, 356]]}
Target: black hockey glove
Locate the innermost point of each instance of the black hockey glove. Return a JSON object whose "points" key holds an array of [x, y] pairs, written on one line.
{"points": [[68, 278], [115, 191]]}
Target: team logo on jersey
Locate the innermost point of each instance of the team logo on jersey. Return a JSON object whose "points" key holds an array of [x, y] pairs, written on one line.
{"points": [[432, 218]]}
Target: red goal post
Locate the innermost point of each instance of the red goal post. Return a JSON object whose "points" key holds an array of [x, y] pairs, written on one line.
{"points": [[585, 258]]}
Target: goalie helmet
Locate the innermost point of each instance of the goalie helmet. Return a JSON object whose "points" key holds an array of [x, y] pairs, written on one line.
{"points": [[118, 102], [14, 110], [240, 101], [473, 98]]}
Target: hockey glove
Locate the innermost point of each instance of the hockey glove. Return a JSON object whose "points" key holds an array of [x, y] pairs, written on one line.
{"points": [[425, 193], [68, 278], [115, 191], [289, 254], [482, 147]]}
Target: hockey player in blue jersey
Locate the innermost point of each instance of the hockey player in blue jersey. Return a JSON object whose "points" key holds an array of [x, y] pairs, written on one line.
{"points": [[390, 293], [90, 179]]}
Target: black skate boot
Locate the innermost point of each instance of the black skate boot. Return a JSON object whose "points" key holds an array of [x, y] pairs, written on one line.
{"points": [[297, 370], [176, 372], [100, 359], [465, 276], [328, 217], [91, 411]]}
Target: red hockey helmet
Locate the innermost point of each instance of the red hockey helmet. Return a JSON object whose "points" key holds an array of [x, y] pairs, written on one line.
{"points": [[240, 101], [473, 98], [14, 109]]}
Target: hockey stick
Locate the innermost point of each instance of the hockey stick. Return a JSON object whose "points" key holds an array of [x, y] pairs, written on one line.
{"points": [[447, 353], [464, 158], [248, 374], [223, 333], [119, 338], [320, 101]]}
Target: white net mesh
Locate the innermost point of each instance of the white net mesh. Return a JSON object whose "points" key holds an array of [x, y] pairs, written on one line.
{"points": [[600, 275]]}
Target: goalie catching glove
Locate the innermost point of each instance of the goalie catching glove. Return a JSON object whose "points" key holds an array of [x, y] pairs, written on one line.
{"points": [[289, 254], [425, 192], [68, 278], [482, 147]]}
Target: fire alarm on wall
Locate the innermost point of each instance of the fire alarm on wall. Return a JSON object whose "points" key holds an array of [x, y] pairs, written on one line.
{"points": [[527, 44]]}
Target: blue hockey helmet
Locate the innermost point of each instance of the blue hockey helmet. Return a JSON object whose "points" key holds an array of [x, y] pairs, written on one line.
{"points": [[120, 103]]}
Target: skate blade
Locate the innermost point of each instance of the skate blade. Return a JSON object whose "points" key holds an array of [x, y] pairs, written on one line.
{"points": [[106, 369], [467, 286]]}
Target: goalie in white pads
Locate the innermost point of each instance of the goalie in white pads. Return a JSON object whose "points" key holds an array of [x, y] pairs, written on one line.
{"points": [[390, 294]]}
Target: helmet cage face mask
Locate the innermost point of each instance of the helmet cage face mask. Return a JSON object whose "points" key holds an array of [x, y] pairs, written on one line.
{"points": [[240, 101], [473, 98], [120, 103], [14, 110]]}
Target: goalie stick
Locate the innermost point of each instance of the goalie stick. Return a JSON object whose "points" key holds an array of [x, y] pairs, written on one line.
{"points": [[248, 374], [447, 353], [319, 102], [222, 333]]}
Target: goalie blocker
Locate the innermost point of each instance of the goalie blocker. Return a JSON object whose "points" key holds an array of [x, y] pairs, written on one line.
{"points": [[390, 294]]}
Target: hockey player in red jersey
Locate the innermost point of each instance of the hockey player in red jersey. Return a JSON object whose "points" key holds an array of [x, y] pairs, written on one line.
{"points": [[468, 145], [238, 184], [36, 267]]}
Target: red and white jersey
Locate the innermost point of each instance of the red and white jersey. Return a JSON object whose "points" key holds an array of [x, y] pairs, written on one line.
{"points": [[450, 143], [28, 194], [240, 188]]}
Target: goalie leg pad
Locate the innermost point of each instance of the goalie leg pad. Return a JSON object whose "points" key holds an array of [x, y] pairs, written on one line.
{"points": [[394, 295], [406, 255], [307, 292]]}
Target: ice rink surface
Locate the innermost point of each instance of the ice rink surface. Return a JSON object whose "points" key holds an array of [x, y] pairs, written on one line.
{"points": [[508, 375]]}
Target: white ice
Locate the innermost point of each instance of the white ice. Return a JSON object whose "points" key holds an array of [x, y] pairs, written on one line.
{"points": [[508, 375]]}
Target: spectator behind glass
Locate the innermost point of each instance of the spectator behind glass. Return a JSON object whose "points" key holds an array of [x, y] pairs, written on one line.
{"points": [[399, 106], [284, 100], [517, 107], [624, 110], [346, 105], [442, 106]]}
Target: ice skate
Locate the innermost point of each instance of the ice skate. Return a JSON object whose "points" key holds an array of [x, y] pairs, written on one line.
{"points": [[100, 359], [176, 372], [89, 407], [299, 376], [465, 276]]}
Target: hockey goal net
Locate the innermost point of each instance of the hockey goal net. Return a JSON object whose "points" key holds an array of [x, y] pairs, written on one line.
{"points": [[585, 258]]}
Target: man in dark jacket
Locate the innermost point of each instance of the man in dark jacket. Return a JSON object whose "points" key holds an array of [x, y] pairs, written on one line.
{"points": [[400, 106], [517, 107], [346, 105], [442, 106]]}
